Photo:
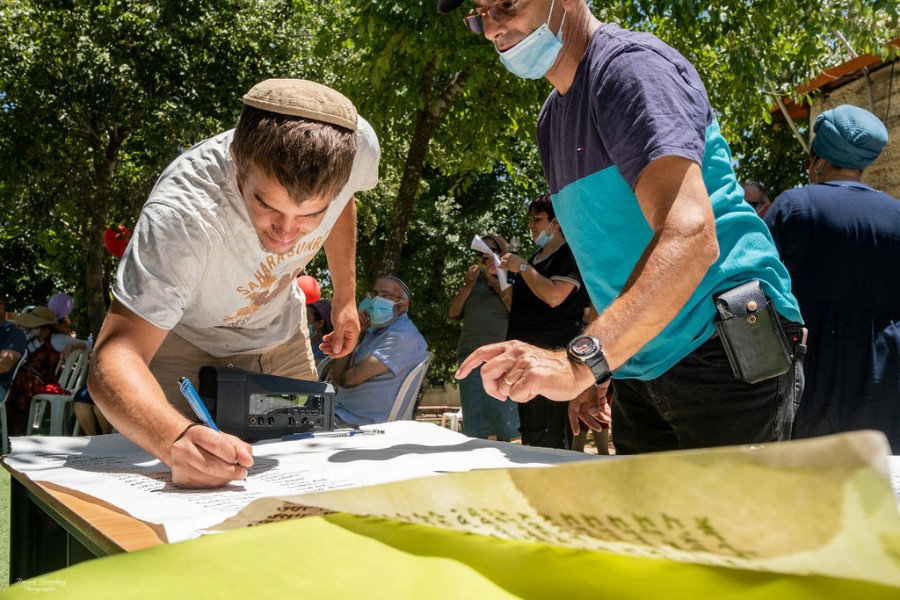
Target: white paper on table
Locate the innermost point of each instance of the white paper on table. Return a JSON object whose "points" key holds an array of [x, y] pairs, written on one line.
{"points": [[116, 471], [479, 245]]}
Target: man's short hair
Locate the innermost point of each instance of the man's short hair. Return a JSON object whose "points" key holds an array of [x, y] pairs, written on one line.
{"points": [[759, 188], [542, 204], [309, 158]]}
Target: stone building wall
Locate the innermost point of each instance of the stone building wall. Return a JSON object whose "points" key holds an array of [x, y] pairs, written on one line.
{"points": [[884, 173]]}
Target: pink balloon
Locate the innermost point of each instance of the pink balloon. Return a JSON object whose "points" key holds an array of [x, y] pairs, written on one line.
{"points": [[61, 305]]}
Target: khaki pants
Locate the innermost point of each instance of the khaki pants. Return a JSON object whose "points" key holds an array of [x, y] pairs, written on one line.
{"points": [[176, 358]]}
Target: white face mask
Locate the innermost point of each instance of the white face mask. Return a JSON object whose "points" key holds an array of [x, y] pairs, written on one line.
{"points": [[533, 56], [544, 238]]}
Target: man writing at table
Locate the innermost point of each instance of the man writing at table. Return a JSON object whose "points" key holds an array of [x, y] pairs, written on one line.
{"points": [[209, 277]]}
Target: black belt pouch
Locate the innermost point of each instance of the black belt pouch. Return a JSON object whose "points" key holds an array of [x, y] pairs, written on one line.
{"points": [[751, 333]]}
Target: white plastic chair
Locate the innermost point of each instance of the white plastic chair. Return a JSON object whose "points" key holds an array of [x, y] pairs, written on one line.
{"points": [[455, 418], [73, 375], [323, 368], [4, 443], [409, 389]]}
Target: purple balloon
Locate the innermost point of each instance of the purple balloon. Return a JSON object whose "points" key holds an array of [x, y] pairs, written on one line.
{"points": [[61, 305]]}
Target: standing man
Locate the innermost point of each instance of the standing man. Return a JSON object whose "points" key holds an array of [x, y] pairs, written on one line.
{"points": [[840, 240], [642, 184], [209, 277]]}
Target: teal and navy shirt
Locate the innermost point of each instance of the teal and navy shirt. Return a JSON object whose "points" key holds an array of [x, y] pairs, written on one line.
{"points": [[634, 99]]}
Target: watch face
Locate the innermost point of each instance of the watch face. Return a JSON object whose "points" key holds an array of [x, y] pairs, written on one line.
{"points": [[583, 346]]}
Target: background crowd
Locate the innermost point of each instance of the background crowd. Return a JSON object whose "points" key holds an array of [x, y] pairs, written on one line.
{"points": [[635, 310]]}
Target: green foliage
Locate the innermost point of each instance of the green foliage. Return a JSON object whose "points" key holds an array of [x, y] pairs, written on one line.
{"points": [[410, 58], [747, 53], [97, 96], [437, 252]]}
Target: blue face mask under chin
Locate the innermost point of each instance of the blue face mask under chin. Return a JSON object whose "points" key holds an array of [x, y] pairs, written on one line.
{"points": [[543, 238], [533, 56]]}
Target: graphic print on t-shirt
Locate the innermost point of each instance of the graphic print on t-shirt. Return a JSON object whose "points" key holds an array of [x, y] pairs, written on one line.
{"points": [[268, 282]]}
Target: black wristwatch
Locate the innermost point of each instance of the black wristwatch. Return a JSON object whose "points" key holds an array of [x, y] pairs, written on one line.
{"points": [[586, 350]]}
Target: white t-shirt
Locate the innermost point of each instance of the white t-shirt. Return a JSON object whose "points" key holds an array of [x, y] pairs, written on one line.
{"points": [[195, 264]]}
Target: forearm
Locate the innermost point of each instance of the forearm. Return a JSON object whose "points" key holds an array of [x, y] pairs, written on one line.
{"points": [[353, 376], [455, 310], [340, 252], [660, 285], [548, 291], [338, 367], [123, 388], [362, 371], [506, 298]]}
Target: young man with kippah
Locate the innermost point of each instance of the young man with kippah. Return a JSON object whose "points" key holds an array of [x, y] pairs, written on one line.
{"points": [[209, 277], [642, 184]]}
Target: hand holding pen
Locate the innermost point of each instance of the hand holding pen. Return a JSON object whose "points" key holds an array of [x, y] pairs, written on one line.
{"points": [[204, 457]]}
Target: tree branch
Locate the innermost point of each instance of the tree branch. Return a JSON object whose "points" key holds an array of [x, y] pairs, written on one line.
{"points": [[787, 117]]}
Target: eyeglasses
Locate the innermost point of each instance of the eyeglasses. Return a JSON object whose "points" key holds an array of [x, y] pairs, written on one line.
{"points": [[500, 12], [385, 295]]}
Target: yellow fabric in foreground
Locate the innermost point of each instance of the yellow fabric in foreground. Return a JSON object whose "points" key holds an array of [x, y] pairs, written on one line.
{"points": [[346, 556]]}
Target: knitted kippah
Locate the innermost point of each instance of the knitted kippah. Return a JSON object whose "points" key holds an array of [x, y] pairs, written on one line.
{"points": [[301, 98], [399, 282]]}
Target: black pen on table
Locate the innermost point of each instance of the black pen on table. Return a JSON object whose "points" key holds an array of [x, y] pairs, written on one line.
{"points": [[308, 435]]}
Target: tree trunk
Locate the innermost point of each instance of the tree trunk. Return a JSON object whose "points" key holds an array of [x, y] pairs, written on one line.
{"points": [[96, 291], [427, 122], [406, 195]]}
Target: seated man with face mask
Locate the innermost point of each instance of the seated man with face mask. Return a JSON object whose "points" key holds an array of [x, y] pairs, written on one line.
{"points": [[368, 381]]}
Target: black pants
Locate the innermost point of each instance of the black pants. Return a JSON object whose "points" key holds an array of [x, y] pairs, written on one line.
{"points": [[545, 423], [698, 403]]}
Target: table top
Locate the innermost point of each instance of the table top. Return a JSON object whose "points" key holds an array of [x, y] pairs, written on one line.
{"points": [[106, 527]]}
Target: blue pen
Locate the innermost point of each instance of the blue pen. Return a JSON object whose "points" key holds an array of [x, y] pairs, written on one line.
{"points": [[308, 435], [193, 398]]}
